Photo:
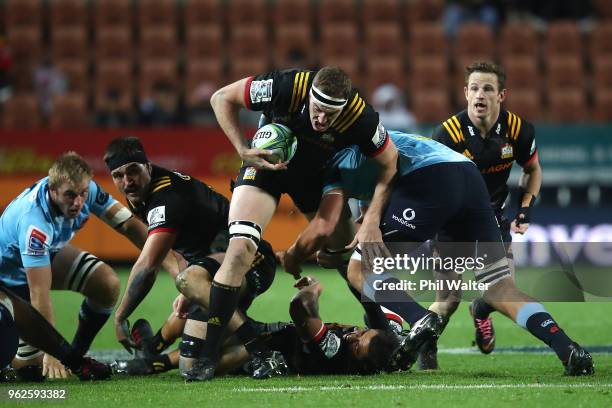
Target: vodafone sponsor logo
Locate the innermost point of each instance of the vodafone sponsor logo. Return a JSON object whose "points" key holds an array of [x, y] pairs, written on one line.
{"points": [[407, 215]]}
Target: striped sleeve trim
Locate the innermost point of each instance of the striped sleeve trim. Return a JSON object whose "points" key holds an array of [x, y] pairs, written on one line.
{"points": [[514, 125], [453, 127], [300, 87], [350, 114], [160, 183]]}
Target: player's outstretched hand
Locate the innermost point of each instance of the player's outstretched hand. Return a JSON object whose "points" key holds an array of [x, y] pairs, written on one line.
{"points": [[372, 245], [122, 331], [258, 159], [52, 368], [180, 306], [289, 264]]}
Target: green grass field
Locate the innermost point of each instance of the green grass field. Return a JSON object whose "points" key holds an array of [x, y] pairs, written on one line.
{"points": [[466, 378]]}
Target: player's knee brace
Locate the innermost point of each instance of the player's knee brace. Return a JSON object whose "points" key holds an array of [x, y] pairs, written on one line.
{"points": [[245, 230], [190, 346], [80, 271]]}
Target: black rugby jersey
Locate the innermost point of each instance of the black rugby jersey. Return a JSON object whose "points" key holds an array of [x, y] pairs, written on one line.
{"points": [[186, 206], [327, 353], [510, 139], [283, 97]]}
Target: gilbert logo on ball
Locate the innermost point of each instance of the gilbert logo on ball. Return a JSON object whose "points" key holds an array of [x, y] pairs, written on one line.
{"points": [[277, 138]]}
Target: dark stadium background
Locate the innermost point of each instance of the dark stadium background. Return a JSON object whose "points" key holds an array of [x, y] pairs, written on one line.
{"points": [[75, 73]]}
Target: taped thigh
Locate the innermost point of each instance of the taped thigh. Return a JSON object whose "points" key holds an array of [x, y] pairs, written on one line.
{"points": [[82, 268], [493, 272], [245, 230]]}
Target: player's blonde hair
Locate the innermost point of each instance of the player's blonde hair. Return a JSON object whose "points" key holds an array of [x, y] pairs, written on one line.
{"points": [[69, 168]]}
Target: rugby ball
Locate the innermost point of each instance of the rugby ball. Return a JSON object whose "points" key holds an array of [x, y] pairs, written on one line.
{"points": [[277, 138]]}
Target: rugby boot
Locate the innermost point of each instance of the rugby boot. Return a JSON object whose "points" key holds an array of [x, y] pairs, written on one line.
{"points": [[203, 369], [8, 375], [428, 356], [93, 370], [269, 364], [485, 333], [137, 366], [142, 334], [429, 327], [395, 322], [579, 361], [30, 373]]}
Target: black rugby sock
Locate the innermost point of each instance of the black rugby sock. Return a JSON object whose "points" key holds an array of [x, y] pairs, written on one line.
{"points": [[248, 336], [223, 302], [158, 343], [90, 323], [481, 309], [376, 318], [400, 302], [160, 363], [544, 327]]}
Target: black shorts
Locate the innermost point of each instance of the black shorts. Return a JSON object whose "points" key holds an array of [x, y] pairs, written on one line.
{"points": [[449, 200], [23, 291], [9, 340], [258, 279], [302, 180]]}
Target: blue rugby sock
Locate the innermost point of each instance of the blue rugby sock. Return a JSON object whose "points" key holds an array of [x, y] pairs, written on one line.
{"points": [[91, 320], [541, 324]]}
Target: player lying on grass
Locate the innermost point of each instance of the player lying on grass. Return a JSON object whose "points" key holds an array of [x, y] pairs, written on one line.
{"points": [[18, 319], [309, 346], [35, 231], [437, 191], [185, 215]]}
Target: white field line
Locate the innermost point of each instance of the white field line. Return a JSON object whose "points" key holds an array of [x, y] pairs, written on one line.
{"points": [[420, 387]]}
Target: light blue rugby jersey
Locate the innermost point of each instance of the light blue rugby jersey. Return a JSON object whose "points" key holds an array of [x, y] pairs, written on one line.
{"points": [[357, 175], [30, 231]]}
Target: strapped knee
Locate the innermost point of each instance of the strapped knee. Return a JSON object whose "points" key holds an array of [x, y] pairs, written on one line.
{"points": [[245, 230]]}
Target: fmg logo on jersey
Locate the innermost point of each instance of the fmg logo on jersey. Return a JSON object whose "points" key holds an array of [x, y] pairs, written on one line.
{"points": [[37, 241]]}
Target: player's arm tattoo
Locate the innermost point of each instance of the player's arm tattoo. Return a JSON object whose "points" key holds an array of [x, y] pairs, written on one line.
{"points": [[138, 288], [305, 304]]}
